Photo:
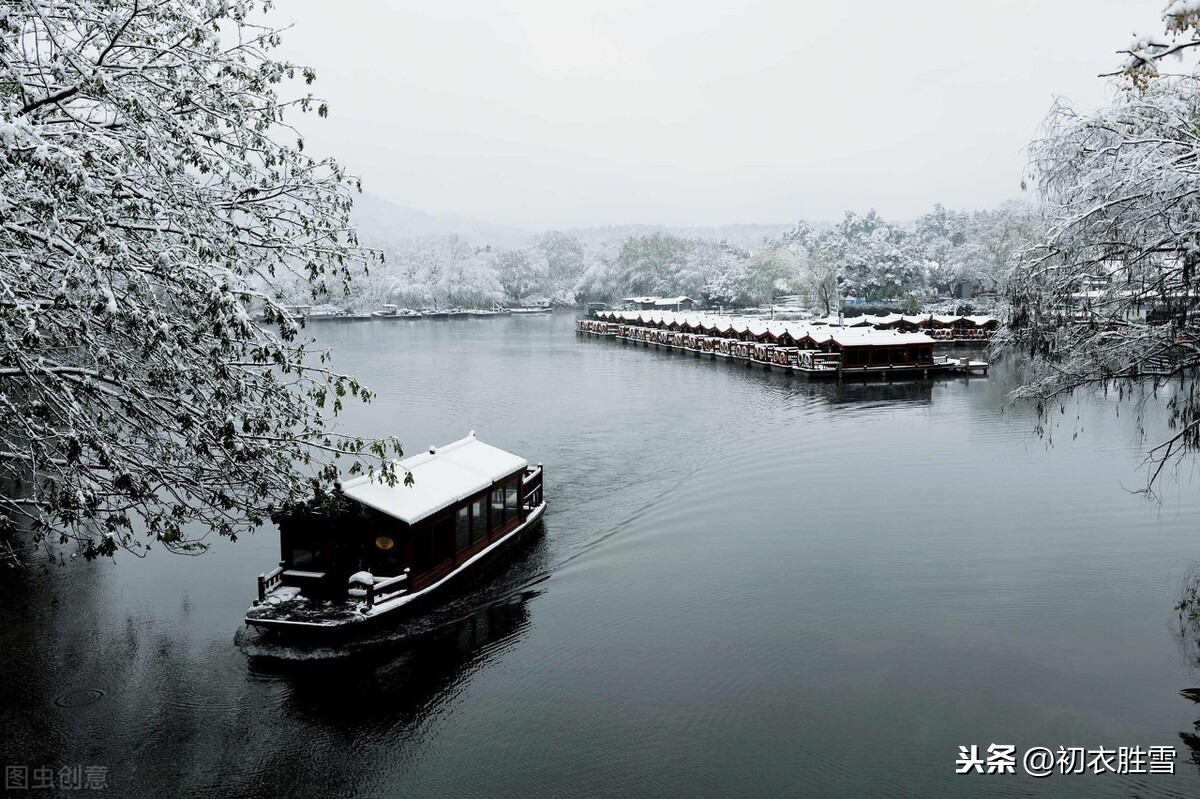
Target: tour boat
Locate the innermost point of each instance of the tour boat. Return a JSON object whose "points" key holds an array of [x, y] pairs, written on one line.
{"points": [[372, 551]]}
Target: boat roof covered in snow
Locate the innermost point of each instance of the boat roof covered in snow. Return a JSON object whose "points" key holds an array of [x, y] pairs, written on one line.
{"points": [[880, 338], [441, 477]]}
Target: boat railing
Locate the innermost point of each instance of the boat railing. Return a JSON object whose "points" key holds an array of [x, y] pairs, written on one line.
{"points": [[380, 590], [531, 487], [269, 582], [377, 590]]}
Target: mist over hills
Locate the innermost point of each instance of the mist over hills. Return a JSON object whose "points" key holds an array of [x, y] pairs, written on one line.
{"points": [[382, 222]]}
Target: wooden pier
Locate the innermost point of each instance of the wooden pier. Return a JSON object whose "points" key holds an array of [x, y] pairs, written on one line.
{"points": [[793, 348]]}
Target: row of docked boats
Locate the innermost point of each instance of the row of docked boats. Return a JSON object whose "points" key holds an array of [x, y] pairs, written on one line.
{"points": [[816, 350], [943, 328]]}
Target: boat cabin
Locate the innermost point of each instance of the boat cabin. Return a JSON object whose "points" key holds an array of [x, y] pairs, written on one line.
{"points": [[375, 541], [884, 350]]}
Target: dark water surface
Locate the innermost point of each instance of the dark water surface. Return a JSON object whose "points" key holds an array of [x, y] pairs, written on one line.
{"points": [[748, 585]]}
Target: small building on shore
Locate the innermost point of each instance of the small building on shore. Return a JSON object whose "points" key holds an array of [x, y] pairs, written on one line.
{"points": [[660, 303]]}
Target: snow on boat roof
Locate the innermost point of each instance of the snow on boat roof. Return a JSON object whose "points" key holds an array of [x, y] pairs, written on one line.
{"points": [[739, 324], [879, 338], [441, 477]]}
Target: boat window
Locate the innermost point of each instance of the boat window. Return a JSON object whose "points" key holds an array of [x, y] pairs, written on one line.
{"points": [[497, 502], [304, 557], [462, 529], [303, 550], [443, 539], [511, 501], [479, 520]]}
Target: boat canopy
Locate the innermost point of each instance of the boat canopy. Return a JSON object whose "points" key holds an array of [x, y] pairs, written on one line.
{"points": [[441, 477], [880, 339], [758, 326]]}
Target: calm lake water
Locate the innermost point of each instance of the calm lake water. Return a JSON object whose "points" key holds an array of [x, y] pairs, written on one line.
{"points": [[748, 584]]}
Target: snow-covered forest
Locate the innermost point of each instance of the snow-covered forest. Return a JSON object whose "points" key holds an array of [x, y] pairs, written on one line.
{"points": [[863, 256]]}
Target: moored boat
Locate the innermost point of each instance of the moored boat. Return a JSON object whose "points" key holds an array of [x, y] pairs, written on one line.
{"points": [[841, 351], [371, 551], [395, 312]]}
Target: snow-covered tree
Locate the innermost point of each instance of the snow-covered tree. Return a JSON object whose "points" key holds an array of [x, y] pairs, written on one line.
{"points": [[978, 247], [514, 270], [466, 275], [819, 275], [773, 269], [1109, 299], [879, 260], [940, 235], [600, 280], [558, 260], [724, 269], [150, 196], [653, 264]]}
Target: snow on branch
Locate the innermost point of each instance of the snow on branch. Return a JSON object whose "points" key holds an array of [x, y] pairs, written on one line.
{"points": [[148, 208], [1110, 300]]}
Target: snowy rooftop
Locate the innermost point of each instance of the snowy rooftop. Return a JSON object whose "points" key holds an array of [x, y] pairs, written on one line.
{"points": [[879, 338], [441, 477], [739, 325]]}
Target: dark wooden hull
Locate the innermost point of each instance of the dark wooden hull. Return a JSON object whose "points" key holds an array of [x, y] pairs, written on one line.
{"points": [[390, 613]]}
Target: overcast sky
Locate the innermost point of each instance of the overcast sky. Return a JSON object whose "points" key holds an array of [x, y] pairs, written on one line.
{"points": [[554, 114]]}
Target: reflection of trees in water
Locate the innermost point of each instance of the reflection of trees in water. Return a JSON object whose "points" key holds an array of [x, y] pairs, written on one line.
{"points": [[175, 716], [32, 727], [1186, 626]]}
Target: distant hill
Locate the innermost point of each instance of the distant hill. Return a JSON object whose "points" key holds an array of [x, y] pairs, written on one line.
{"points": [[743, 235], [381, 221]]}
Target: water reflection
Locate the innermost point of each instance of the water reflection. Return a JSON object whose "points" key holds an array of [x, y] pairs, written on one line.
{"points": [[1186, 626], [761, 582], [391, 688], [874, 389], [912, 392]]}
